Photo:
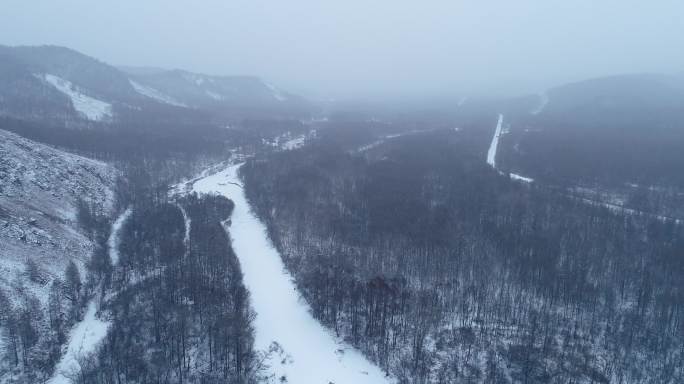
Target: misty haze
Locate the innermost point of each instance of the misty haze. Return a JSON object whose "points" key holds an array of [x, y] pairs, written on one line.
{"points": [[349, 192]]}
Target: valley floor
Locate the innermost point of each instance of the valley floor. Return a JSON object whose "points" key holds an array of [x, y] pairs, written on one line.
{"points": [[302, 351]]}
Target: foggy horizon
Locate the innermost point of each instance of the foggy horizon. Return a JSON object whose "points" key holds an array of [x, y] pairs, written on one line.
{"points": [[353, 50]]}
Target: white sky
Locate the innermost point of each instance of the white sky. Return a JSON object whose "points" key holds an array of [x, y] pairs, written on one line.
{"points": [[367, 48]]}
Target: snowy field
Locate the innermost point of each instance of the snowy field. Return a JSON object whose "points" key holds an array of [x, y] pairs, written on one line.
{"points": [[91, 108], [306, 352]]}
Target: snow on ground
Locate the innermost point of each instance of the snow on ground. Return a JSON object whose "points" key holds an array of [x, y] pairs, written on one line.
{"points": [[543, 102], [215, 95], [155, 94], [114, 237], [310, 353], [524, 179], [494, 146], [89, 332], [91, 108], [294, 143], [83, 340], [383, 139], [491, 154], [186, 236]]}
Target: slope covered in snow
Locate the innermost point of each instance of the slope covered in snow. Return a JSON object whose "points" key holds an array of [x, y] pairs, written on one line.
{"points": [[91, 108], [39, 187], [302, 350], [155, 95], [39, 190]]}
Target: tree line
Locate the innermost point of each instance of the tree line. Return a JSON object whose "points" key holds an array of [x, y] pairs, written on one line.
{"points": [[441, 270]]}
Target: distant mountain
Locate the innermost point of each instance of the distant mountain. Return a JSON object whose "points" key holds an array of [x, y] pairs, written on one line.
{"points": [[620, 136], [59, 84], [241, 95], [628, 100]]}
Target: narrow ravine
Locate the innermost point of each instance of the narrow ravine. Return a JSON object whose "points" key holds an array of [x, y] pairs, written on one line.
{"points": [[87, 333], [308, 353]]}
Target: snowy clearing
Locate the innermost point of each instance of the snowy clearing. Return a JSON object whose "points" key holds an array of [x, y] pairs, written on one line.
{"points": [[91, 108], [307, 353], [114, 238], [155, 95], [491, 154], [83, 340]]}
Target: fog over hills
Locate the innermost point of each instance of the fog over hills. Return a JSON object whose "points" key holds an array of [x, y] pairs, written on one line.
{"points": [[352, 49], [307, 192]]}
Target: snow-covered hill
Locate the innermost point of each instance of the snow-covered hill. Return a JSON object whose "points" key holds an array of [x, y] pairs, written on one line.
{"points": [[39, 190], [241, 95], [57, 84]]}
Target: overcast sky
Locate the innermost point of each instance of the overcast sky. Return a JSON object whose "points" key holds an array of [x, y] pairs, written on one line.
{"points": [[367, 47]]}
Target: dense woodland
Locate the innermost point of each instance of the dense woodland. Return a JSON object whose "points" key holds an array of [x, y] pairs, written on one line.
{"points": [[442, 270], [179, 311], [404, 242]]}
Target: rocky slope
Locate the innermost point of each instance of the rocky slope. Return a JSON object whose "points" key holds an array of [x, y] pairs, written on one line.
{"points": [[40, 189]]}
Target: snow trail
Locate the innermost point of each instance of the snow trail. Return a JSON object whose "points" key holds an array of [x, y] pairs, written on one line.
{"points": [[491, 154], [155, 94], [494, 146], [83, 340], [543, 102], [87, 333], [114, 238], [310, 353], [186, 236]]}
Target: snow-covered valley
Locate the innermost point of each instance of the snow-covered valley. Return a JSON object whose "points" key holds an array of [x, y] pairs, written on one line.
{"points": [[302, 351]]}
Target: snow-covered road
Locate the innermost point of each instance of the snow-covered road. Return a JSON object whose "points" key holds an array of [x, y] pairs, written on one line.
{"points": [[311, 354], [494, 146]]}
